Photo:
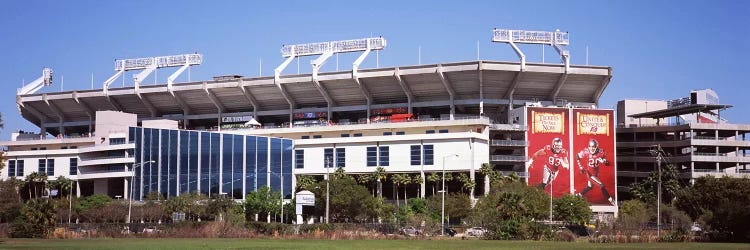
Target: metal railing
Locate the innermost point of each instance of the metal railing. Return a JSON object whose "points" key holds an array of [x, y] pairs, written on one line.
{"points": [[462, 120], [511, 143], [508, 158]]}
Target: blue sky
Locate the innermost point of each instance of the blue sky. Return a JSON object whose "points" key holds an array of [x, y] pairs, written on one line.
{"points": [[658, 49]]}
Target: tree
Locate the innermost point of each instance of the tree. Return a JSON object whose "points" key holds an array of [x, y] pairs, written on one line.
{"points": [[646, 189], [380, 176], [367, 179], [634, 214], [10, 201], [417, 179], [188, 203], [466, 183], [305, 182], [36, 220], [400, 179], [722, 204], [36, 182], [512, 210], [572, 209], [434, 177], [489, 174], [262, 202], [63, 186]]}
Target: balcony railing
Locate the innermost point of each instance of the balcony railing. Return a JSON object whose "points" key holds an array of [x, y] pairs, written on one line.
{"points": [[463, 119], [518, 158], [511, 143]]}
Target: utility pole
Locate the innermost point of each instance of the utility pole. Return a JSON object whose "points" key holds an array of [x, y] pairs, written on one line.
{"points": [[659, 154]]}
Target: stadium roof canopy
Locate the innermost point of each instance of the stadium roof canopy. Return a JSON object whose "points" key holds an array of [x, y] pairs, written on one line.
{"points": [[681, 110], [463, 83]]}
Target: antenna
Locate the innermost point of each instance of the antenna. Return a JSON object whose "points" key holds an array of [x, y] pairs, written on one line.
{"points": [[556, 39]]}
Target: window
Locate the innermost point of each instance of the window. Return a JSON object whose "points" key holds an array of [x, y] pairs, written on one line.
{"points": [[416, 155], [73, 147], [50, 167], [33, 149], [358, 135], [344, 135], [19, 167], [73, 166], [429, 131], [443, 131], [340, 157], [317, 136], [328, 158], [387, 133], [429, 154], [384, 156], [400, 133], [116, 141], [11, 168], [305, 137], [372, 156], [42, 166], [299, 158], [64, 147], [43, 148]]}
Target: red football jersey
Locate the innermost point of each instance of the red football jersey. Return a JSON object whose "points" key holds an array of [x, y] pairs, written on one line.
{"points": [[592, 160], [554, 160]]}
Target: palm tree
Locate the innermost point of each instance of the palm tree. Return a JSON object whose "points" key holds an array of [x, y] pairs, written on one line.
{"points": [[434, 178], [467, 183], [62, 184], [417, 179], [399, 179], [367, 179], [380, 176], [487, 171], [34, 181]]}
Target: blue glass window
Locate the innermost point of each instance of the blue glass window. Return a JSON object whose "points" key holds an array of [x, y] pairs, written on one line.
{"points": [[164, 163], [286, 168], [172, 163], [73, 166], [42, 166], [384, 156], [138, 159], [237, 152], [299, 158], [19, 167], [430, 131], [193, 162], [215, 164], [250, 164], [340, 157], [372, 156], [328, 160], [11, 168], [205, 162], [50, 167], [429, 154], [416, 155], [275, 166], [226, 165], [443, 131], [262, 162], [400, 133], [183, 168]]}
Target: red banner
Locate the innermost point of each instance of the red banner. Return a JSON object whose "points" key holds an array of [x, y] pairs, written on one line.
{"points": [[594, 155], [549, 149]]}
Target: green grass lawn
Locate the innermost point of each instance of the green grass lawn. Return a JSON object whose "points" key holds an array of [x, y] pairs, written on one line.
{"points": [[456, 244]]}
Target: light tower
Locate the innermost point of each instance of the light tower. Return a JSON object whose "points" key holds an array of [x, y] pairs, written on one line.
{"points": [[326, 50]]}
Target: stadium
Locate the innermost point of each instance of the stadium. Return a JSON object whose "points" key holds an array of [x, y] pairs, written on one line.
{"points": [[234, 134]]}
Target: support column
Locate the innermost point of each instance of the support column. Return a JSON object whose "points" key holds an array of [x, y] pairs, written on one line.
{"points": [[126, 189], [423, 185], [78, 190]]}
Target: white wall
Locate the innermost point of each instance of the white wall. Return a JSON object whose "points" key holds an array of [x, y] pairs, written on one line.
{"points": [[400, 153]]}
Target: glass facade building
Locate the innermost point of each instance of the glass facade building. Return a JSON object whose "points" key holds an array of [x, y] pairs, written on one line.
{"points": [[172, 162]]}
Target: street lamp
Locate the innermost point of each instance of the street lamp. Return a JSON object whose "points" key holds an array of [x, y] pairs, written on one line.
{"points": [[132, 179], [442, 214]]}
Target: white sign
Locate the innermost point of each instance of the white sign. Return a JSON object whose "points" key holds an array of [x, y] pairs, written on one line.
{"points": [[305, 198], [231, 119]]}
